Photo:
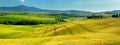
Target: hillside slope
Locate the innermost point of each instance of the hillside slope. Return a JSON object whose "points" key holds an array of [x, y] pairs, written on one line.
{"points": [[81, 27], [88, 32]]}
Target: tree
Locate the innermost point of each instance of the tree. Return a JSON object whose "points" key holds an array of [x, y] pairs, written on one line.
{"points": [[116, 15], [61, 18]]}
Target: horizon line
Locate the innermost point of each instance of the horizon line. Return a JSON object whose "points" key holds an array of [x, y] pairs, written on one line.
{"points": [[62, 9]]}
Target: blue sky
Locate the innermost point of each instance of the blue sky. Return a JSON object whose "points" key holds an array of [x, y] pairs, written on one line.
{"points": [[87, 5]]}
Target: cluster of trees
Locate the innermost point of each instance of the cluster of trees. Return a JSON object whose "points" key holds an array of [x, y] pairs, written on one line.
{"points": [[66, 15], [34, 22], [102, 16], [27, 22], [94, 16], [115, 16], [9, 20], [60, 18]]}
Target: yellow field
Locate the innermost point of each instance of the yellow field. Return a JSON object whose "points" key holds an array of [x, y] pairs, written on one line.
{"points": [[88, 32]]}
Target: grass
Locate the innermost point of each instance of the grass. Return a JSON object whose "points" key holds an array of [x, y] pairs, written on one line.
{"points": [[87, 32], [25, 19], [22, 17]]}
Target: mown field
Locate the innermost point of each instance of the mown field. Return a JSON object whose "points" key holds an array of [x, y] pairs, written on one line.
{"points": [[78, 32]]}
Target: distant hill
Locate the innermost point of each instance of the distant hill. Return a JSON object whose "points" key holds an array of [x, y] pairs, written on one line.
{"points": [[24, 8], [113, 12]]}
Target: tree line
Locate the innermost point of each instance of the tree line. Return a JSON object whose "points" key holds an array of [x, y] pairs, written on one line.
{"points": [[27, 22], [116, 16], [102, 16], [9, 21]]}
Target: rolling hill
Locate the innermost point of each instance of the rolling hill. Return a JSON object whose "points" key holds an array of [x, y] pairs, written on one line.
{"points": [[104, 32]]}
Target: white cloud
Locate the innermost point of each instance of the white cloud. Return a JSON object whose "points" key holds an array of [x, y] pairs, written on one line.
{"points": [[22, 1]]}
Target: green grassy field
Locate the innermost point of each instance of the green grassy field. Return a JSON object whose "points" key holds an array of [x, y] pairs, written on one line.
{"points": [[78, 32]]}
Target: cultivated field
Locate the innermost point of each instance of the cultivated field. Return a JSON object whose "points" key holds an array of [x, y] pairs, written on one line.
{"points": [[79, 32]]}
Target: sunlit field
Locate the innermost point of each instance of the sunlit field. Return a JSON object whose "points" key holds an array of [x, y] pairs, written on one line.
{"points": [[78, 32]]}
